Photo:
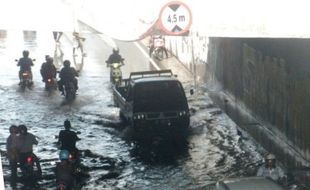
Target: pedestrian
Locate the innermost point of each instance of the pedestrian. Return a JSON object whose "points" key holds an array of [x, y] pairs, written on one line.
{"points": [[12, 147], [271, 170]]}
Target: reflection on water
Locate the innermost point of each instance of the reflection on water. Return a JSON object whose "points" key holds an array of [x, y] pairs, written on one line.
{"points": [[161, 151]]}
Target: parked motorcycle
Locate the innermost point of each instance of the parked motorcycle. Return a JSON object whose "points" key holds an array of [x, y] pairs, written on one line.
{"points": [[30, 168], [116, 73]]}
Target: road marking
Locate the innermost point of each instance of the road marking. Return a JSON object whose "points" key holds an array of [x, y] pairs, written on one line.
{"points": [[1, 173], [147, 55], [112, 43]]}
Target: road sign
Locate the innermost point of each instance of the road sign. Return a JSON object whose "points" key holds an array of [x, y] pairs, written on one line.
{"points": [[175, 18]]}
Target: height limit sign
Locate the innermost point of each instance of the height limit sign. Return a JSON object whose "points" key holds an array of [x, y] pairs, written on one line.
{"points": [[175, 18]]}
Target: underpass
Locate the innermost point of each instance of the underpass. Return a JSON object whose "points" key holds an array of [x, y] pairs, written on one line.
{"points": [[222, 66]]}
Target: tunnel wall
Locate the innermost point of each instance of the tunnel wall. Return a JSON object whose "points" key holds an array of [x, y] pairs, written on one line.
{"points": [[271, 79]]}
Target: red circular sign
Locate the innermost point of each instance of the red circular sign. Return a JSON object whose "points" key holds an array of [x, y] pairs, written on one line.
{"points": [[175, 18]]}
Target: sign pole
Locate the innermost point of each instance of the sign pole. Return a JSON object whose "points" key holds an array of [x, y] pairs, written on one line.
{"points": [[194, 64]]}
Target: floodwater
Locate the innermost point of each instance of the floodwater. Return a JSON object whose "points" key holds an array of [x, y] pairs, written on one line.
{"points": [[215, 149]]}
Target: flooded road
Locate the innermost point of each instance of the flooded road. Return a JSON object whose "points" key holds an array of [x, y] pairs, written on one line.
{"points": [[215, 150]]}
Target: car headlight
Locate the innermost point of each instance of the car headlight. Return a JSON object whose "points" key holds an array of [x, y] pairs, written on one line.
{"points": [[182, 113], [139, 116]]}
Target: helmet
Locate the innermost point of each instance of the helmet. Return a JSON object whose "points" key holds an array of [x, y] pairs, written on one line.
{"points": [[64, 155], [270, 157], [23, 129], [47, 57], [25, 53], [13, 128], [115, 50], [49, 60], [67, 63], [67, 124]]}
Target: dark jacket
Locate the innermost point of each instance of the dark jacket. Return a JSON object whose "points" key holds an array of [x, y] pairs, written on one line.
{"points": [[48, 70], [25, 64], [68, 140], [68, 74], [115, 58]]}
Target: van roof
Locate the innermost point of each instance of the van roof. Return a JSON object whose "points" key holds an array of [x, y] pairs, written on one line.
{"points": [[153, 79]]}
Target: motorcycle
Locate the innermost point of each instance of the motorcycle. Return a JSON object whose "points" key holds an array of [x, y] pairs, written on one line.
{"points": [[69, 183], [50, 83], [25, 78], [74, 160], [66, 178], [69, 91], [158, 52], [116, 73], [30, 168]]}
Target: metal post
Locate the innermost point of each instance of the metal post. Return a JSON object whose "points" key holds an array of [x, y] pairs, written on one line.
{"points": [[194, 64]]}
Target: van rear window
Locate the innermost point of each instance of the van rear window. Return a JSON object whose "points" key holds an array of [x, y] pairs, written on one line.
{"points": [[159, 96]]}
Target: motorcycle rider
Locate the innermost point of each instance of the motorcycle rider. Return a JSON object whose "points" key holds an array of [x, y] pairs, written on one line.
{"points": [[27, 140], [25, 64], [67, 74], [64, 171], [271, 170], [160, 40], [67, 138], [48, 68], [115, 57], [12, 147]]}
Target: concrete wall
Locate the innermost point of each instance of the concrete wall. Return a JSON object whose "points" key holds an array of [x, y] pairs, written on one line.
{"points": [[192, 51], [266, 77], [271, 78]]}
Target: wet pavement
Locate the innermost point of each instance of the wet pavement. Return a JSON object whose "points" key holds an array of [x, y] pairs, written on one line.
{"points": [[216, 149]]}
